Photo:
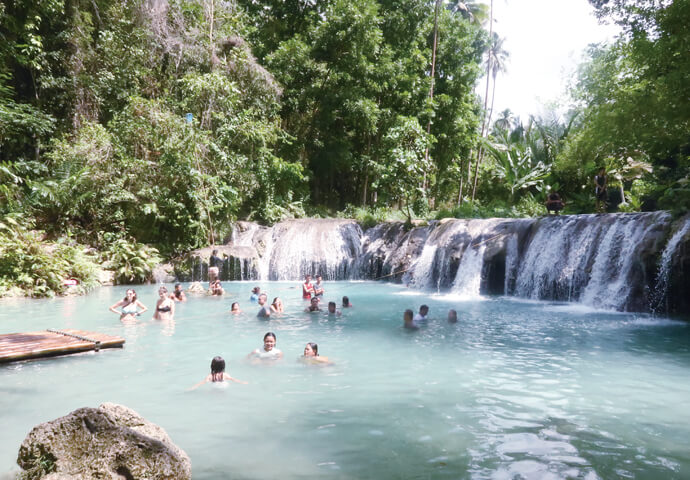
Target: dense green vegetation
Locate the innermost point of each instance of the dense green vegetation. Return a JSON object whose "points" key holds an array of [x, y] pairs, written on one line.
{"points": [[355, 107]]}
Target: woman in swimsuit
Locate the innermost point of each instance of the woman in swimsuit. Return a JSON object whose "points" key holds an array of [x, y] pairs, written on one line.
{"points": [[311, 354], [269, 350], [129, 307], [217, 374], [277, 305], [165, 306]]}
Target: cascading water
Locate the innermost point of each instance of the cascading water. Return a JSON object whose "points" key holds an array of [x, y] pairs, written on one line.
{"points": [[606, 261], [664, 273], [469, 276]]}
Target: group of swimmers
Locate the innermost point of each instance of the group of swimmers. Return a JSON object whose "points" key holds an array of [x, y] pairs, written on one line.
{"points": [[269, 351], [130, 308]]}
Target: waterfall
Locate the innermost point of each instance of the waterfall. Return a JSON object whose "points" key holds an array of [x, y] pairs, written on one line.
{"points": [[325, 247], [664, 273], [610, 261], [469, 277], [609, 284]]}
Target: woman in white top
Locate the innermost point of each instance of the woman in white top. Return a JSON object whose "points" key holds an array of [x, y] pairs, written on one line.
{"points": [[269, 350], [130, 307]]}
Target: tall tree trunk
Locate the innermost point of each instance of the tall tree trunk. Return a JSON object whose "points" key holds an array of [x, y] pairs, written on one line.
{"points": [[480, 150], [431, 87]]}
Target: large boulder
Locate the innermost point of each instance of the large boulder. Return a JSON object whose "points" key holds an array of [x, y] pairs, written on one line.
{"points": [[108, 442]]}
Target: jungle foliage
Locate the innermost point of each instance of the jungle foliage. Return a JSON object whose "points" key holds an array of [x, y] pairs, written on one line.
{"points": [[159, 122]]}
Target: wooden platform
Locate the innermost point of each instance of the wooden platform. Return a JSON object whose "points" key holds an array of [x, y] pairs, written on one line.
{"points": [[48, 343]]}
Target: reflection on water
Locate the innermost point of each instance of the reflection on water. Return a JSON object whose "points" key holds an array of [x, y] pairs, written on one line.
{"points": [[515, 389]]}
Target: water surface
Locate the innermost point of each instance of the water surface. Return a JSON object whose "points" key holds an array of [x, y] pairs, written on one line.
{"points": [[515, 389]]}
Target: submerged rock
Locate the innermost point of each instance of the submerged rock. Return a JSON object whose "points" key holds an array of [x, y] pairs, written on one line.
{"points": [[108, 442]]}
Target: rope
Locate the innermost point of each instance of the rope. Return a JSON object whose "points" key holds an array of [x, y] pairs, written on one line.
{"points": [[491, 238], [78, 337], [391, 274]]}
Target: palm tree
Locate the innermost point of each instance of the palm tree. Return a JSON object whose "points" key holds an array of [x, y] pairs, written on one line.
{"points": [[505, 120], [497, 56], [473, 11], [486, 99]]}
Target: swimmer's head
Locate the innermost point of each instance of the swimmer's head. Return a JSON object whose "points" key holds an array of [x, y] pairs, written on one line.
{"points": [[269, 341], [311, 350], [256, 290], [262, 298], [315, 301], [217, 365], [178, 287], [130, 295], [452, 316], [331, 307], [408, 316], [424, 309], [346, 302], [235, 307], [277, 301], [162, 291]]}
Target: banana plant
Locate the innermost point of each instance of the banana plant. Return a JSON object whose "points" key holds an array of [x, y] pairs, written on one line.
{"points": [[515, 167]]}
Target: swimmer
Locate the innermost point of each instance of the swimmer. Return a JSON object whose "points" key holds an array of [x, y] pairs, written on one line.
{"points": [[178, 294], [235, 308], [408, 319], [311, 354], [255, 295], [318, 287], [218, 374], [420, 318], [269, 350], [346, 302], [165, 306], [314, 307], [216, 288], [452, 316], [277, 306], [130, 307], [307, 288], [265, 310], [332, 310]]}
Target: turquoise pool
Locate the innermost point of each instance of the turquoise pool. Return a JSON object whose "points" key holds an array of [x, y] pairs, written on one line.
{"points": [[515, 389]]}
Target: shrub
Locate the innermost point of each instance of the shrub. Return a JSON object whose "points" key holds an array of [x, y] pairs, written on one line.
{"points": [[132, 262]]}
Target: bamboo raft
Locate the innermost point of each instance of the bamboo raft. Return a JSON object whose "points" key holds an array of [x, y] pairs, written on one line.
{"points": [[49, 343]]}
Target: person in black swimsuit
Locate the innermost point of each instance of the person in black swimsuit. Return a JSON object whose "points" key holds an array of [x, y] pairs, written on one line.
{"points": [[165, 306]]}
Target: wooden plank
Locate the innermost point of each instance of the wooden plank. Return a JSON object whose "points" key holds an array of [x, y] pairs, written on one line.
{"points": [[22, 346]]}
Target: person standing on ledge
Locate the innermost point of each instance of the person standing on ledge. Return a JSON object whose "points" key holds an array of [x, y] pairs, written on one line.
{"points": [[214, 264], [601, 181]]}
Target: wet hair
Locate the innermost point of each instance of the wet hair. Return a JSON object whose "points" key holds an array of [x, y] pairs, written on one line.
{"points": [[232, 307], [315, 300], [256, 290], [452, 315], [314, 347], [270, 334], [134, 299], [274, 300], [217, 365], [346, 301], [424, 307], [408, 314], [331, 304]]}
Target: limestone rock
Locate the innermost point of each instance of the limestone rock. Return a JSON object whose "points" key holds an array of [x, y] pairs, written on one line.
{"points": [[108, 442]]}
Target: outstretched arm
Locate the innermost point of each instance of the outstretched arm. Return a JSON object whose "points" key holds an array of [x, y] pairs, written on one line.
{"points": [[228, 377], [205, 380]]}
